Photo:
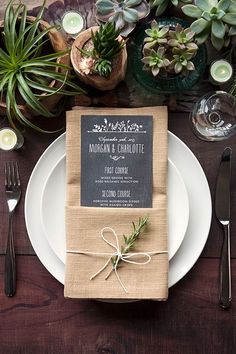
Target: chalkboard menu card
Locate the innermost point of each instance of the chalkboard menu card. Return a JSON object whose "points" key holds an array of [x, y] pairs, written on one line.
{"points": [[116, 161]]}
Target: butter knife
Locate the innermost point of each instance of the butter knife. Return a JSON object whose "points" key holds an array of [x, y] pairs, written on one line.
{"points": [[222, 210]]}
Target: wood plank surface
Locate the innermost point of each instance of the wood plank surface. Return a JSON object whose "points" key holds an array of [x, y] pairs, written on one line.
{"points": [[39, 320]]}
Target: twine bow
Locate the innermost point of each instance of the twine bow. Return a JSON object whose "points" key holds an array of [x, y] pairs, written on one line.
{"points": [[118, 256]]}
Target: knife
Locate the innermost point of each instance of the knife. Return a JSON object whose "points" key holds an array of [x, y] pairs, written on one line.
{"points": [[222, 210]]}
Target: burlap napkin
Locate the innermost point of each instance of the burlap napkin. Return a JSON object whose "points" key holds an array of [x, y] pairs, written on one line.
{"points": [[84, 224]]}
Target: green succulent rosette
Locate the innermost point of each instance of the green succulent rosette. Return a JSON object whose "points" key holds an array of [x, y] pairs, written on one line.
{"points": [[214, 19], [124, 13]]}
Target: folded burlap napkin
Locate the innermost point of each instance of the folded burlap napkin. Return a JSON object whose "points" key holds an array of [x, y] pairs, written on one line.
{"points": [[87, 252]]}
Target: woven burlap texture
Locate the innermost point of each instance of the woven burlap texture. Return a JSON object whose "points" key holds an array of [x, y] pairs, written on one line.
{"points": [[84, 224]]}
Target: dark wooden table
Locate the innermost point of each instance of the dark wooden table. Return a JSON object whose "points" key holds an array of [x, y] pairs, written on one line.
{"points": [[38, 319]]}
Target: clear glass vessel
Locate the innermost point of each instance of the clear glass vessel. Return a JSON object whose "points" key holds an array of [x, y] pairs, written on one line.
{"points": [[214, 116]]}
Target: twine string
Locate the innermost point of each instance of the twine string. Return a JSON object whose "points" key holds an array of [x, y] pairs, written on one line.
{"points": [[125, 257]]}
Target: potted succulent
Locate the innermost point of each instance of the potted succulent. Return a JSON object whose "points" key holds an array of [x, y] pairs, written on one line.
{"points": [[124, 13], [215, 19], [166, 57], [99, 56], [169, 50], [33, 67]]}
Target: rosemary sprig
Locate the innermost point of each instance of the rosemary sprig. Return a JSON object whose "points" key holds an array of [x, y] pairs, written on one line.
{"points": [[129, 241]]}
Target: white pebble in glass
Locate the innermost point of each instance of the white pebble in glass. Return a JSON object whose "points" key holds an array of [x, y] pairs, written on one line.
{"points": [[73, 23], [10, 139], [221, 71]]}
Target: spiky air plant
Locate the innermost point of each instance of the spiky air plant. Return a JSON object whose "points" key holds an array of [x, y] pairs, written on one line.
{"points": [[26, 73]]}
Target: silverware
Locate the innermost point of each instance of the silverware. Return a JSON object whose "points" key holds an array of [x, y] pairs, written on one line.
{"points": [[222, 210], [13, 194]]}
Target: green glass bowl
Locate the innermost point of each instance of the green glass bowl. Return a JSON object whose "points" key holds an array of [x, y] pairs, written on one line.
{"points": [[172, 83]]}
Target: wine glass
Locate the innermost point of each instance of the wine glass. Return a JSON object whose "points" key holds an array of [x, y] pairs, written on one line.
{"points": [[214, 116]]}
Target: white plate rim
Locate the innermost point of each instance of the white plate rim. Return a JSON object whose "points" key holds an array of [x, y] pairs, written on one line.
{"points": [[178, 267], [60, 253]]}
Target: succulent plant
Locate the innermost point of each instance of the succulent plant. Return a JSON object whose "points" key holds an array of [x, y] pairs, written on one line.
{"points": [[156, 35], [105, 42], [215, 18], [181, 62], [174, 55], [103, 67], [105, 47], [162, 5], [154, 60], [182, 38], [124, 13]]}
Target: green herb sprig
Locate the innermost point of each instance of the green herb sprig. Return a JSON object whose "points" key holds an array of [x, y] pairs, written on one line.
{"points": [[129, 241]]}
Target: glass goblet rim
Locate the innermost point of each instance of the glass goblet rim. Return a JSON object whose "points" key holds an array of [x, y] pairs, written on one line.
{"points": [[208, 121], [221, 95], [218, 93]]}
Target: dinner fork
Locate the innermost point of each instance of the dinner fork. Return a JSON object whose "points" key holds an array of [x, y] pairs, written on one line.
{"points": [[13, 194]]}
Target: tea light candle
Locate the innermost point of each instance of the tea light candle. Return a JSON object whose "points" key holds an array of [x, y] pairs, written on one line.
{"points": [[10, 140], [221, 71], [72, 22]]}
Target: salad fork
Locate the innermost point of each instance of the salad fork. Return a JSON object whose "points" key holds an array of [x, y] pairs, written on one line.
{"points": [[13, 194]]}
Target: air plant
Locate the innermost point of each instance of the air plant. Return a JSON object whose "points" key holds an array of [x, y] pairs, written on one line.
{"points": [[124, 13], [173, 54], [25, 73], [215, 19]]}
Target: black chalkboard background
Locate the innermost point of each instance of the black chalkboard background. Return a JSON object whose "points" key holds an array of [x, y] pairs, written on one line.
{"points": [[116, 161]]}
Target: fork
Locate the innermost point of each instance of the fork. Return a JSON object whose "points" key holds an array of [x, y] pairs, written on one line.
{"points": [[13, 194]]}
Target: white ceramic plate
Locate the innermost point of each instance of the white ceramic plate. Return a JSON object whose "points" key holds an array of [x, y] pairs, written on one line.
{"points": [[52, 209], [199, 209]]}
